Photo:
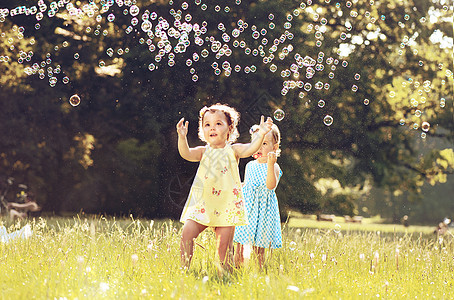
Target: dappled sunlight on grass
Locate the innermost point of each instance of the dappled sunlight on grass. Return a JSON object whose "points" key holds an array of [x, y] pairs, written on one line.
{"points": [[103, 258], [367, 224]]}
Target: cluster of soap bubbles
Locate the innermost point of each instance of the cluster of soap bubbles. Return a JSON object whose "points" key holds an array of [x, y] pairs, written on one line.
{"points": [[181, 32], [166, 37], [419, 92]]}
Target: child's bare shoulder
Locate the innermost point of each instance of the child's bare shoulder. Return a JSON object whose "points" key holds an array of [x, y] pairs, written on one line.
{"points": [[238, 148], [199, 151]]}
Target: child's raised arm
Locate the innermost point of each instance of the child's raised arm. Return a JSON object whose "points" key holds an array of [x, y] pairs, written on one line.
{"points": [[272, 173], [246, 150], [190, 154]]}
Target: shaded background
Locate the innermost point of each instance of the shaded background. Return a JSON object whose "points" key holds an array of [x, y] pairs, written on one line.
{"points": [[116, 152]]}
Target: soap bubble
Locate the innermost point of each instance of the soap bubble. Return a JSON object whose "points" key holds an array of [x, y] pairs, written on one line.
{"points": [[134, 10], [279, 115], [328, 120], [146, 26], [425, 126], [74, 100]]}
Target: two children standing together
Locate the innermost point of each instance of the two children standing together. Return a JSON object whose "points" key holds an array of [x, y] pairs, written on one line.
{"points": [[248, 213]]}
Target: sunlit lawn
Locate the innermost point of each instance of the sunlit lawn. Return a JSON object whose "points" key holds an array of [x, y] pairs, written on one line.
{"points": [[98, 258]]}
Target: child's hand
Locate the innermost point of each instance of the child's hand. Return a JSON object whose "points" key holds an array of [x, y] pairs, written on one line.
{"points": [[182, 127], [272, 158], [265, 127]]}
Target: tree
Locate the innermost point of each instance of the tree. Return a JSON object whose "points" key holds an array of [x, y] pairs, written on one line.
{"points": [[366, 66]]}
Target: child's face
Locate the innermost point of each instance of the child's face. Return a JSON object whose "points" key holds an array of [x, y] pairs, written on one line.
{"points": [[268, 145], [215, 128]]}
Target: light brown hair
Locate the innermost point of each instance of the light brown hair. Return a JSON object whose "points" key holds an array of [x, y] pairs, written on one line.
{"points": [[232, 116], [276, 136]]}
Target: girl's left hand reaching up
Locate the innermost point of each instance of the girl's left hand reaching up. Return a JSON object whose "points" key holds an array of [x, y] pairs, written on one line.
{"points": [[265, 127], [182, 127], [246, 150]]}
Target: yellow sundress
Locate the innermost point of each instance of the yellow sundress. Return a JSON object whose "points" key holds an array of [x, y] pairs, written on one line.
{"points": [[215, 198]]}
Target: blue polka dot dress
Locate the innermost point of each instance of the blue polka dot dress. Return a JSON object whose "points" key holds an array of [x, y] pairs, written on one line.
{"points": [[264, 229]]}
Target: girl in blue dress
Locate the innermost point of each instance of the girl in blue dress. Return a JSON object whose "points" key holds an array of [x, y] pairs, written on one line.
{"points": [[260, 181]]}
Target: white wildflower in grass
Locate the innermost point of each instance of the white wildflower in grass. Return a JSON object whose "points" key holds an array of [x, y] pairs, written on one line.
{"points": [[293, 288], [292, 246], [205, 279], [362, 257], [397, 258], [247, 250], [27, 231], [307, 291], [311, 255], [92, 229], [150, 246], [376, 259], [134, 258], [104, 287], [143, 292], [323, 257], [88, 269]]}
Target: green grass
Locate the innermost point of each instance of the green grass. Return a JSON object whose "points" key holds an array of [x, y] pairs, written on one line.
{"points": [[98, 258]]}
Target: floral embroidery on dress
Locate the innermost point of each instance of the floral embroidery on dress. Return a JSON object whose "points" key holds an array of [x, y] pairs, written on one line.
{"points": [[207, 204]]}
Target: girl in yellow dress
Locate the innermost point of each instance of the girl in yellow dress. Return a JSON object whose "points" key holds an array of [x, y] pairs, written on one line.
{"points": [[215, 199]]}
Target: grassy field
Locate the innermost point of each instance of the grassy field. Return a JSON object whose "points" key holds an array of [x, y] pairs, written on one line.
{"points": [[98, 258]]}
